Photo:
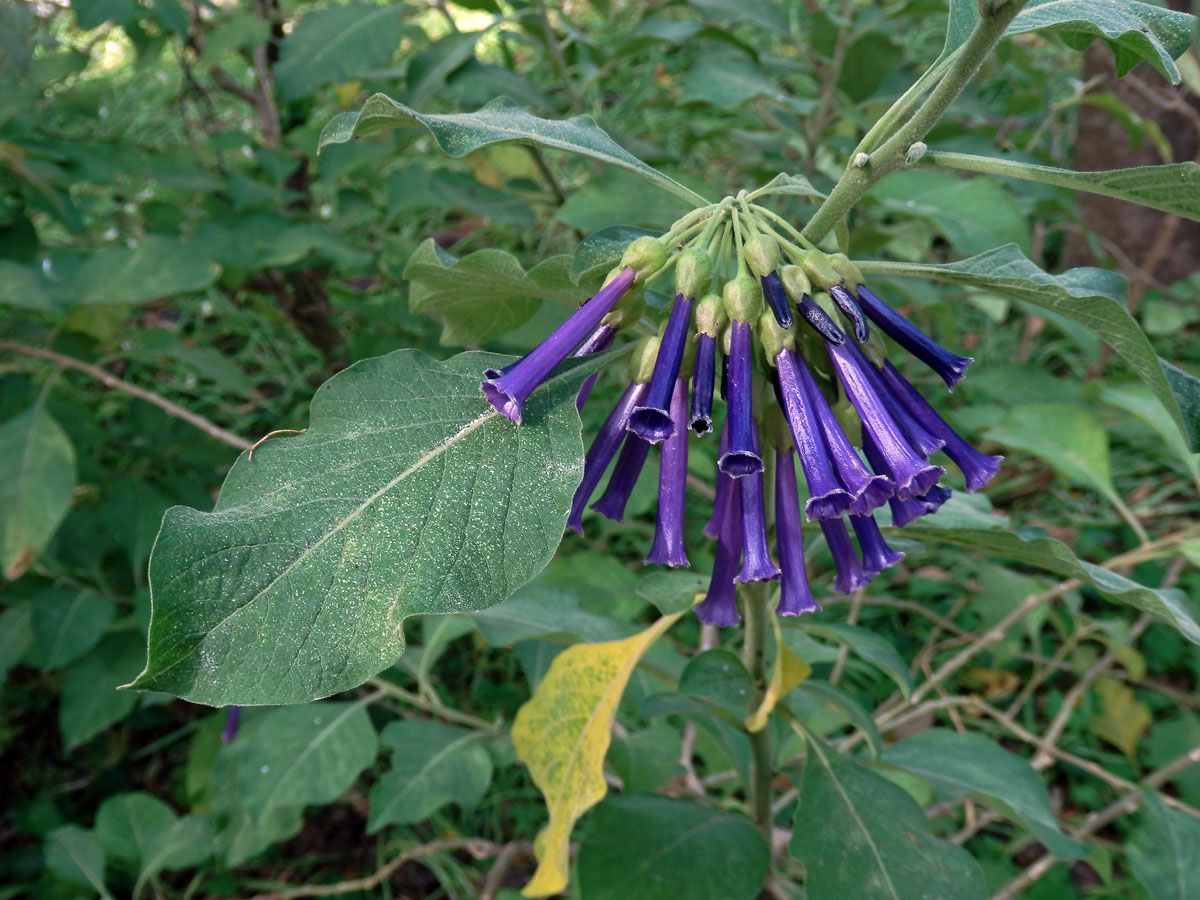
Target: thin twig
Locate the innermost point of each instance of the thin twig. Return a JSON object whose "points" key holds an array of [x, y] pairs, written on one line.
{"points": [[117, 384]]}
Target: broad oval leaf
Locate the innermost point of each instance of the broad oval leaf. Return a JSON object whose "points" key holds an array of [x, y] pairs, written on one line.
{"points": [[408, 494], [1070, 438], [861, 836], [501, 120], [1165, 852], [1092, 297]]}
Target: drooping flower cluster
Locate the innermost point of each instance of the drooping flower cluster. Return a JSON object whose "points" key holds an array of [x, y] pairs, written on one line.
{"points": [[832, 390]]}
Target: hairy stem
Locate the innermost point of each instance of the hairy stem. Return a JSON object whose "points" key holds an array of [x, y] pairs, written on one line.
{"points": [[754, 657]]}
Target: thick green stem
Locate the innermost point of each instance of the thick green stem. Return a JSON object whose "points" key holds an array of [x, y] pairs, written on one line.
{"points": [[754, 657], [865, 169]]}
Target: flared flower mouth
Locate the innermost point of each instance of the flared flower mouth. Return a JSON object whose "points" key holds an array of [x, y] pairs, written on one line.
{"points": [[802, 330]]}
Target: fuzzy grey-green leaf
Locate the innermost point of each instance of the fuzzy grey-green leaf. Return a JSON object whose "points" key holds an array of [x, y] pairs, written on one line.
{"points": [[407, 494]]}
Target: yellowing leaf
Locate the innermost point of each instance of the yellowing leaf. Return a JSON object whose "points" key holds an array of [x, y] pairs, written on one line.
{"points": [[562, 734], [790, 670], [1123, 718]]}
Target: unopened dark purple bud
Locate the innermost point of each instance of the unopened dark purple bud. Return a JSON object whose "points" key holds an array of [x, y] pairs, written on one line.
{"points": [[508, 390], [740, 458], [950, 367], [869, 491], [231, 724], [672, 489], [852, 311], [604, 447], [720, 603], [876, 554], [776, 299], [652, 420], [850, 574], [756, 558], [702, 384], [819, 320], [624, 477], [827, 498], [912, 475], [978, 468], [795, 595], [600, 339]]}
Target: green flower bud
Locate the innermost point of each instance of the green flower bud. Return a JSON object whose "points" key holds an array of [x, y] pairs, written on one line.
{"points": [[743, 299], [693, 269], [844, 411], [848, 270], [819, 270], [761, 253], [710, 315], [687, 365], [795, 283], [826, 303], [773, 337], [774, 429], [626, 312], [645, 256], [641, 363]]}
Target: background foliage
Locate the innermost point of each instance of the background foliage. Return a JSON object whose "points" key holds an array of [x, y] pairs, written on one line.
{"points": [[179, 274]]}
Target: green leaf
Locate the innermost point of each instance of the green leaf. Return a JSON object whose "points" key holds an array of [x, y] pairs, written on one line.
{"points": [[335, 44], [975, 214], [763, 13], [1137, 401], [90, 701], [870, 646], [788, 185], [718, 678], [38, 461], [23, 286], [728, 82], [433, 764], [616, 198], [599, 252], [156, 267], [407, 494], [485, 294], [67, 624], [1068, 437], [1164, 853], [833, 696], [16, 636], [1092, 297], [75, 855], [429, 69], [1035, 547], [540, 610], [861, 836], [141, 829], [970, 765], [501, 120], [672, 591], [646, 848], [295, 756], [645, 760]]}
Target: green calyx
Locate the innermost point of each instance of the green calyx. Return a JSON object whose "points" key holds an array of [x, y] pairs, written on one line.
{"points": [[645, 256], [626, 312], [774, 428], [693, 270], [762, 254], [743, 299], [823, 300], [773, 337], [795, 283], [641, 361], [820, 270], [710, 315], [848, 270]]}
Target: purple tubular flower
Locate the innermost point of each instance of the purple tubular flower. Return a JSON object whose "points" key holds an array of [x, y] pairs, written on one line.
{"points": [[741, 457], [231, 724], [600, 453], [600, 339], [624, 476], [850, 573], [819, 320], [672, 488], [756, 558], [702, 384], [924, 443], [869, 491], [852, 311], [876, 554], [652, 420], [978, 468], [508, 389], [772, 287], [913, 476], [725, 490], [950, 367], [795, 596], [719, 606], [904, 512], [827, 498]]}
